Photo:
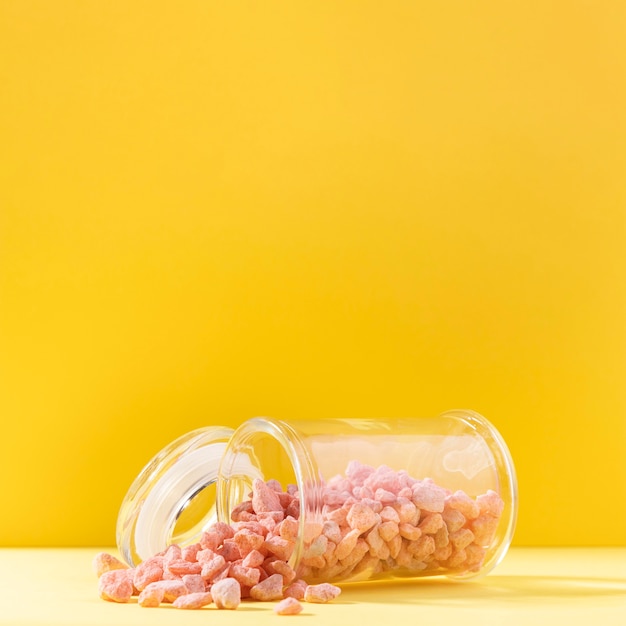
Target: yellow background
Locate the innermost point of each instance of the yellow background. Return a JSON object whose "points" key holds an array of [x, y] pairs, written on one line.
{"points": [[211, 211]]}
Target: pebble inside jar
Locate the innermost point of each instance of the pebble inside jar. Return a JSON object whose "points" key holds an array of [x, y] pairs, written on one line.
{"points": [[369, 499]]}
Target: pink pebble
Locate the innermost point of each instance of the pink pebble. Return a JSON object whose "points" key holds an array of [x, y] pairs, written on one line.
{"points": [[244, 507], [116, 585], [319, 594], [213, 567], [253, 559], [181, 567], [277, 566], [293, 510], [148, 572], [296, 589], [189, 553], [247, 541], [384, 497], [173, 553], [226, 594], [331, 531], [193, 600], [246, 576], [428, 496], [194, 583], [288, 606], [357, 473], [229, 550], [264, 498], [274, 485], [269, 589], [389, 514], [337, 515], [204, 556]]}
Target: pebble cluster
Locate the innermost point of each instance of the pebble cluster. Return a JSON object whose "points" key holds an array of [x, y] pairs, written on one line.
{"points": [[374, 521]]}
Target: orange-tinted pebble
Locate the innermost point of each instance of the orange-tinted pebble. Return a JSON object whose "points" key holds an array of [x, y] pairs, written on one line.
{"points": [[279, 547], [171, 589], [319, 594], [193, 600], [288, 529], [388, 530], [484, 529], [269, 589], [490, 503], [247, 540], [360, 517], [453, 518], [276, 566], [460, 501], [296, 589], [431, 523], [105, 562], [461, 538], [347, 544], [151, 597], [410, 532], [288, 606]]}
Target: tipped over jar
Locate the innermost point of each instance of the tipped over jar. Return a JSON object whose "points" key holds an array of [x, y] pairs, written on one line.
{"points": [[372, 499], [339, 500]]}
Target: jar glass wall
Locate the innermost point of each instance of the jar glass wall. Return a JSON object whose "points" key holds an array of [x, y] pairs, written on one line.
{"points": [[381, 498]]}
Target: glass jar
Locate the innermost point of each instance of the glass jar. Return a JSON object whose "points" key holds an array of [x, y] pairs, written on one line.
{"points": [[373, 498], [417, 497]]}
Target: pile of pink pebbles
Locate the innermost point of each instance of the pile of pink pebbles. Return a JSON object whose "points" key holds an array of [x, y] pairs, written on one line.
{"points": [[374, 522]]}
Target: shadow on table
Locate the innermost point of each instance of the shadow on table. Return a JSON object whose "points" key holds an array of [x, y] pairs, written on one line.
{"points": [[501, 589]]}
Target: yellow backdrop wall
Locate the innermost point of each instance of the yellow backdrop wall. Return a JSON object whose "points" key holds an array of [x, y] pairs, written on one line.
{"points": [[211, 211]]}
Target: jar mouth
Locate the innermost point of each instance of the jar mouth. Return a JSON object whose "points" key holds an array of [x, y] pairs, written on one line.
{"points": [[268, 449], [178, 476]]}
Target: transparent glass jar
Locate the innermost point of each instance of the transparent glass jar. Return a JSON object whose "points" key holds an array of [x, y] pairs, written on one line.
{"points": [[422, 496], [374, 498]]}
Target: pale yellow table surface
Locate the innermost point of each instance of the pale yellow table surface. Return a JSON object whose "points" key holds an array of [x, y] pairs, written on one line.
{"points": [[531, 587]]}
